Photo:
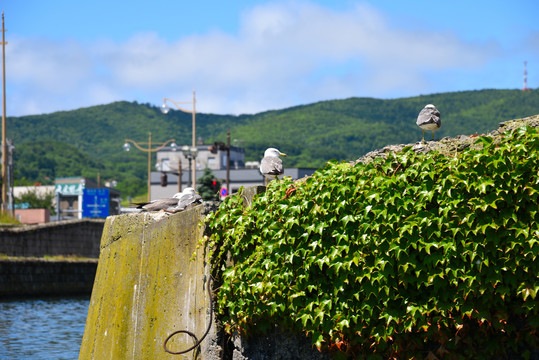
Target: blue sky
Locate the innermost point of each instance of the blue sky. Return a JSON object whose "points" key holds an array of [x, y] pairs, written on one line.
{"points": [[251, 56]]}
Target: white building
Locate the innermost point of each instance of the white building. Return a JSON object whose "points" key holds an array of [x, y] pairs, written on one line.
{"points": [[168, 160], [41, 191]]}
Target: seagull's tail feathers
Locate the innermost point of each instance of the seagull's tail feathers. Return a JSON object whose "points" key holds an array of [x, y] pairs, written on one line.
{"points": [[138, 205]]}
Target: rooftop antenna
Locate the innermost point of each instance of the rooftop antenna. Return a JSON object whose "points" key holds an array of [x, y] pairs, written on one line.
{"points": [[525, 87]]}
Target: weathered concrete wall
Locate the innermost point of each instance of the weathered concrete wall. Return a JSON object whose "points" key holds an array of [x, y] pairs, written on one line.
{"points": [[71, 237], [22, 277], [148, 285]]}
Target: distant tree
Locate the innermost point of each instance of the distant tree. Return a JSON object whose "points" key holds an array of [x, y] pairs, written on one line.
{"points": [[34, 200], [209, 186]]}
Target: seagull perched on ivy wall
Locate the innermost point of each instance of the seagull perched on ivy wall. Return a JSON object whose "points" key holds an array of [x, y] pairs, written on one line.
{"points": [[271, 165], [429, 119]]}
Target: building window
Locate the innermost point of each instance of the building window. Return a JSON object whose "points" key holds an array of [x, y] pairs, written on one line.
{"points": [[212, 162]]}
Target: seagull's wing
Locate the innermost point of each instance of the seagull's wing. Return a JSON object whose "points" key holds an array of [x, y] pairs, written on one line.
{"points": [[429, 116], [188, 199], [271, 166], [436, 114], [157, 205]]}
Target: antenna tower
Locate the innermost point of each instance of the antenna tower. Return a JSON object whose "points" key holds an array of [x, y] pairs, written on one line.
{"points": [[525, 87]]}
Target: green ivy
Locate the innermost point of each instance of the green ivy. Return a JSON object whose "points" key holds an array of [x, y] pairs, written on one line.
{"points": [[412, 256]]}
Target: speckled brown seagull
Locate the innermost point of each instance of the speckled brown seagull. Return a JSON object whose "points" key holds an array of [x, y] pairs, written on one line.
{"points": [[271, 165], [159, 204], [429, 119]]}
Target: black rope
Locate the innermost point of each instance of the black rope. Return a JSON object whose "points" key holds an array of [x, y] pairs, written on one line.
{"points": [[197, 342]]}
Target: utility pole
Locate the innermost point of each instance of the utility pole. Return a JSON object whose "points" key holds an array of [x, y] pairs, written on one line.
{"points": [[228, 162], [4, 143], [525, 87], [179, 174]]}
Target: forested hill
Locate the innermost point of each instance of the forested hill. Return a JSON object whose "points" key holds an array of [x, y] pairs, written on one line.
{"points": [[89, 140]]}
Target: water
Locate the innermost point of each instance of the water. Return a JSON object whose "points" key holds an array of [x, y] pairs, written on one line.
{"points": [[46, 328]]}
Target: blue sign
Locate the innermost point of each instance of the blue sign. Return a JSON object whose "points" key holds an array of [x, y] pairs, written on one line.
{"points": [[224, 192], [95, 203]]}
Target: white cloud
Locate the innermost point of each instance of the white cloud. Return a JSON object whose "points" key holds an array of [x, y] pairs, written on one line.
{"points": [[285, 53], [47, 65]]}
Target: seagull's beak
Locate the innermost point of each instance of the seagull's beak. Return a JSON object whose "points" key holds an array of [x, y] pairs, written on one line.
{"points": [[283, 154]]}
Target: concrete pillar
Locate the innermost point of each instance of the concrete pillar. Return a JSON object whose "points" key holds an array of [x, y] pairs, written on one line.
{"points": [[149, 284]]}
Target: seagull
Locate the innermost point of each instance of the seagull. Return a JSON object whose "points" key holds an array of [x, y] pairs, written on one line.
{"points": [[159, 204], [271, 165], [188, 197], [429, 119], [179, 202]]}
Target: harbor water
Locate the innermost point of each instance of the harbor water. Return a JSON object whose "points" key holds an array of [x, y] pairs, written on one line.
{"points": [[42, 328]]}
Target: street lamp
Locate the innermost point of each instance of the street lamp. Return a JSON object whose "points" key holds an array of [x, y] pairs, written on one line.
{"points": [[165, 109], [149, 150], [190, 153]]}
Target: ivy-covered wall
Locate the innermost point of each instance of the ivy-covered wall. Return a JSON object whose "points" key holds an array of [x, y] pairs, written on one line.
{"points": [[407, 255]]}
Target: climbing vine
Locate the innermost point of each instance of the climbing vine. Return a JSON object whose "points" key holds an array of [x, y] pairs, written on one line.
{"points": [[430, 255]]}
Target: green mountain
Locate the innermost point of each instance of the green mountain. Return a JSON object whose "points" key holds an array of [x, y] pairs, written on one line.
{"points": [[89, 141]]}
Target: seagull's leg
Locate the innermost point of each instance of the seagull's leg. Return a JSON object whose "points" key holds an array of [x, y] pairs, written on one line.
{"points": [[423, 135], [432, 134]]}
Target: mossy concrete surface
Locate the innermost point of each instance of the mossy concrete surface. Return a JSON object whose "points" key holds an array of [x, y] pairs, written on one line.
{"points": [[148, 284]]}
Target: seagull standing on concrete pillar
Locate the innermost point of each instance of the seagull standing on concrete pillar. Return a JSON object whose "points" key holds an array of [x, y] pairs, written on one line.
{"points": [[429, 119]]}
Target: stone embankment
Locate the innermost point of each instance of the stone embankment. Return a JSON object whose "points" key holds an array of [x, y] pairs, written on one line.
{"points": [[46, 277], [62, 238], [57, 258]]}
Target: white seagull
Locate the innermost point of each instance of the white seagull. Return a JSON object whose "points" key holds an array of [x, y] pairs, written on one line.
{"points": [[429, 119], [188, 197], [271, 165]]}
